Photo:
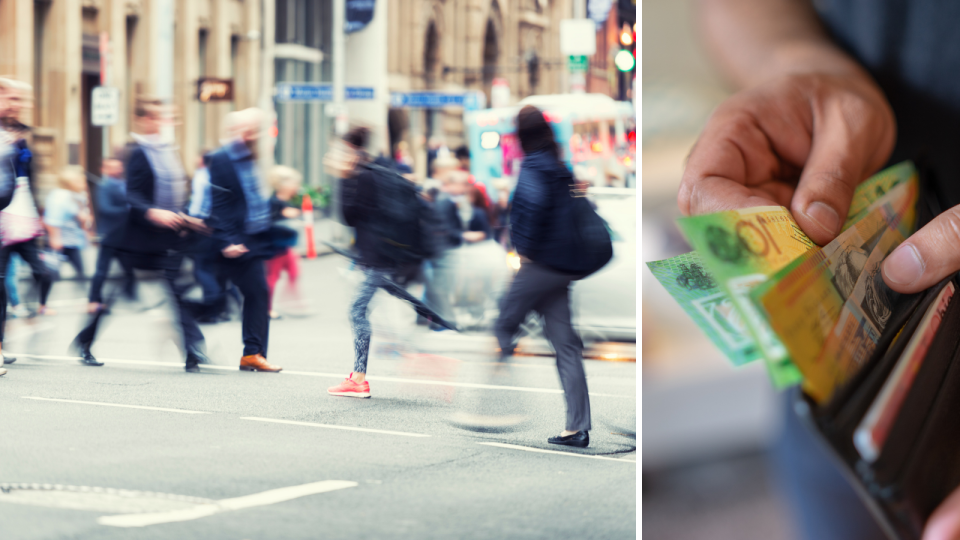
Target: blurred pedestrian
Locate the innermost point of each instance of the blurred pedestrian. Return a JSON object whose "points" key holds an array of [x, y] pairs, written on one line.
{"points": [[156, 232], [500, 213], [207, 270], [541, 234], [67, 218], [112, 210], [360, 187], [463, 157], [436, 147], [286, 184], [20, 224], [240, 218]]}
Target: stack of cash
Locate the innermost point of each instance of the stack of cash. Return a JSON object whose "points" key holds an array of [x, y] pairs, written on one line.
{"points": [[761, 289]]}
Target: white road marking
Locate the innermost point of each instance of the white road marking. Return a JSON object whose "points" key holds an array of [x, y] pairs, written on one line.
{"points": [[182, 411], [226, 505], [428, 382], [331, 426], [538, 450]]}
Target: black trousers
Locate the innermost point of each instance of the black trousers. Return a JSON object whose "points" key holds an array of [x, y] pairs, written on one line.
{"points": [[169, 266], [249, 275], [538, 288], [30, 254], [106, 256]]}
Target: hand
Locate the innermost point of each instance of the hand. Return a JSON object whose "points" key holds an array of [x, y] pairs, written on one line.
{"points": [[290, 212], [474, 236], [164, 218], [195, 224], [926, 258], [802, 141], [235, 250], [944, 523], [55, 244]]}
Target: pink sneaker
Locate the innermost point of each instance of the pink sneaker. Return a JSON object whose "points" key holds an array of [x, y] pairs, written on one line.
{"points": [[349, 388]]}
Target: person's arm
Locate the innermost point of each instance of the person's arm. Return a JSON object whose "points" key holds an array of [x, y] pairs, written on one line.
{"points": [[807, 126], [225, 216], [140, 196], [527, 217]]}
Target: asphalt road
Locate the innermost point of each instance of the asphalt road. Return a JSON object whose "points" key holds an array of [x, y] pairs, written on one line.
{"points": [[140, 449]]}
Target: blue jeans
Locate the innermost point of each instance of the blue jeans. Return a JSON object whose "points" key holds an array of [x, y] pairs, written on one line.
{"points": [[11, 280]]}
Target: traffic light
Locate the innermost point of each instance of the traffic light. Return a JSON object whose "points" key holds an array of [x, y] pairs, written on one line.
{"points": [[625, 59], [626, 38]]}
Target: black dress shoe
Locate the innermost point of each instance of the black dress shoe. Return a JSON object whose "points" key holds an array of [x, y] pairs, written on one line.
{"points": [[9, 359], [87, 358], [194, 359], [579, 439], [192, 367]]}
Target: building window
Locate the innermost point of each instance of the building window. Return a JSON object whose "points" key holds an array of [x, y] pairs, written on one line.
{"points": [[202, 71]]}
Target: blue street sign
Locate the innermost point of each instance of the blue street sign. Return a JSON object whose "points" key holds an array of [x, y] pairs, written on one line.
{"points": [[436, 100], [319, 92], [359, 15]]}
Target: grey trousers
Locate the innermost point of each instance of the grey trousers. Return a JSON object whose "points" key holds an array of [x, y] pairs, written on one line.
{"points": [[540, 289]]}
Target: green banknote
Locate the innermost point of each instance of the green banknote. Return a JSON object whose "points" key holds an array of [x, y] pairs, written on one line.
{"points": [[875, 187], [698, 294]]}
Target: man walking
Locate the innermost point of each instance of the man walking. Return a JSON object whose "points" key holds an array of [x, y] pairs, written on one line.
{"points": [[156, 231], [240, 218], [111, 207]]}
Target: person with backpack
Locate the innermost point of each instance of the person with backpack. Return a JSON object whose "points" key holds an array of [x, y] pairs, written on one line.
{"points": [[558, 241], [388, 214]]}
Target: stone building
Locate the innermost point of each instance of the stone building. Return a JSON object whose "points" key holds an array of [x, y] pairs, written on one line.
{"points": [[55, 46], [460, 45]]}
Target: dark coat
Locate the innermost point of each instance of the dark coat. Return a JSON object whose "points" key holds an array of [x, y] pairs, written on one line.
{"points": [[228, 209], [140, 235], [541, 223], [358, 203]]}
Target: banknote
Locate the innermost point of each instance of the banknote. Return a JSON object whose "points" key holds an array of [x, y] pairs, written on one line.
{"points": [[803, 301], [742, 249], [875, 187], [697, 292], [854, 337]]}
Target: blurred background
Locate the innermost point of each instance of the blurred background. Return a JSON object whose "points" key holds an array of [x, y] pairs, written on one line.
{"points": [[707, 426]]}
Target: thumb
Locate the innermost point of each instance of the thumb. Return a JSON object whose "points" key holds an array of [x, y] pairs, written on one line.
{"points": [[926, 257], [834, 168]]}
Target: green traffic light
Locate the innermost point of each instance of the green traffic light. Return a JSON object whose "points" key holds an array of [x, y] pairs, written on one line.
{"points": [[624, 60]]}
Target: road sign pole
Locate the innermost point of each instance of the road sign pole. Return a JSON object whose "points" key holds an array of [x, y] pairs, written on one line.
{"points": [[104, 81]]}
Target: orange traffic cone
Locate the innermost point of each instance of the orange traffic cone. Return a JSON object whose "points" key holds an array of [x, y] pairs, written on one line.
{"points": [[307, 211]]}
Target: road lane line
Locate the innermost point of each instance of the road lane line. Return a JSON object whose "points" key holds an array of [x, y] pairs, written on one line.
{"points": [[538, 450], [428, 382], [182, 411], [226, 505], [331, 426]]}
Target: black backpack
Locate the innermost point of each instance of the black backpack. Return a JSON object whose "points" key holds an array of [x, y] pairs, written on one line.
{"points": [[591, 240], [402, 222]]}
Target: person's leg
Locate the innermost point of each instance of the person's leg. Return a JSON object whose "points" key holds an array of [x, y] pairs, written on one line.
{"points": [[4, 264], [75, 258], [273, 266], [30, 253], [361, 323], [292, 266], [248, 276], [192, 337], [558, 327], [523, 295], [13, 271], [104, 258]]}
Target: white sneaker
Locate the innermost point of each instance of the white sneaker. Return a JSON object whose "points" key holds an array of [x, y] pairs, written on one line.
{"points": [[2, 372]]}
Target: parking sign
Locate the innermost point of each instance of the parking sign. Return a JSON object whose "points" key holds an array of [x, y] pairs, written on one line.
{"points": [[105, 106]]}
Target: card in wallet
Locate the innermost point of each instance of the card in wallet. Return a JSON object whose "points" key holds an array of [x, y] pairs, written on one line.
{"points": [[895, 426]]}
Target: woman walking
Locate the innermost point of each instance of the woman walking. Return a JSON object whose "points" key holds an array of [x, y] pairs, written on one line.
{"points": [[67, 217], [286, 183], [542, 236]]}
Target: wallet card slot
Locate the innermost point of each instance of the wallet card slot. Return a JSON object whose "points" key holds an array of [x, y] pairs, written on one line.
{"points": [[926, 386]]}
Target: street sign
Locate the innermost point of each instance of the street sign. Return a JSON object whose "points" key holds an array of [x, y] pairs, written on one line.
{"points": [[319, 92], [105, 106], [436, 100], [578, 64], [578, 37], [359, 15], [210, 89]]}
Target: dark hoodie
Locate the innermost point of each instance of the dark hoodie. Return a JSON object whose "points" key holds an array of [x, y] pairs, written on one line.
{"points": [[541, 225]]}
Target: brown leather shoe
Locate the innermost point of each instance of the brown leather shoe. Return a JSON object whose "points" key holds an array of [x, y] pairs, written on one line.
{"points": [[256, 362]]}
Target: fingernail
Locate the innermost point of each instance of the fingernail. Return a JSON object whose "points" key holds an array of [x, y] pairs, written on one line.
{"points": [[904, 265], [824, 216]]}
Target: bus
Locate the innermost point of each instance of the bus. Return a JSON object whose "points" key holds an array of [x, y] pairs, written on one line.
{"points": [[596, 133]]}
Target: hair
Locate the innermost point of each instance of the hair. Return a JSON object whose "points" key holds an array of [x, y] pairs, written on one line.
{"points": [[281, 175], [462, 152], [69, 174], [358, 137], [147, 107], [535, 133], [242, 118]]}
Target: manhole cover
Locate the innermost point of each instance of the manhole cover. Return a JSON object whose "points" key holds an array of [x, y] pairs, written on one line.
{"points": [[97, 499]]}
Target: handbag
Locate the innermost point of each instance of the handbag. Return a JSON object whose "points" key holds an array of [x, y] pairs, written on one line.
{"points": [[592, 243], [19, 221], [894, 428]]}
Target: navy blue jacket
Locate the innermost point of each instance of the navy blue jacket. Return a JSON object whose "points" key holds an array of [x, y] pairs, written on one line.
{"points": [[140, 235], [228, 210], [541, 224], [111, 198]]}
